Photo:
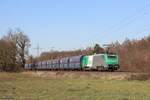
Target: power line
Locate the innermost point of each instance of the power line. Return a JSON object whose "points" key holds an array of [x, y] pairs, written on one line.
{"points": [[127, 20], [38, 49]]}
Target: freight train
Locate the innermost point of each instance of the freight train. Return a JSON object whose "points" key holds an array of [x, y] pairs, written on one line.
{"points": [[104, 61]]}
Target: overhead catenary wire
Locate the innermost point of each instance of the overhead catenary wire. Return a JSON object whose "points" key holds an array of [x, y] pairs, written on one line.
{"points": [[130, 19]]}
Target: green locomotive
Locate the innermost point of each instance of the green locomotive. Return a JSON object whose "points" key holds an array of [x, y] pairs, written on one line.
{"points": [[101, 62]]}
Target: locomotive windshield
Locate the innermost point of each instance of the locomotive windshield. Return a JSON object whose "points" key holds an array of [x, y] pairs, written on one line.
{"points": [[112, 56]]}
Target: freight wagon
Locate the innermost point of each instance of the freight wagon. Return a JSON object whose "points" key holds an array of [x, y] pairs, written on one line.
{"points": [[82, 62]]}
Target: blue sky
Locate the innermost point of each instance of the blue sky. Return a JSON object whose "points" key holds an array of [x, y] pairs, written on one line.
{"points": [[72, 24]]}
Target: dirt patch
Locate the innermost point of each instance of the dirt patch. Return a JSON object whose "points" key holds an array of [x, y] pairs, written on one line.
{"points": [[140, 77]]}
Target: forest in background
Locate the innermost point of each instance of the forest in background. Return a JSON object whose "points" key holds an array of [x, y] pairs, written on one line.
{"points": [[134, 54]]}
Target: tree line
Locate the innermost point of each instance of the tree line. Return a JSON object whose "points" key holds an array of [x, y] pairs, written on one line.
{"points": [[134, 54], [62, 54], [13, 50]]}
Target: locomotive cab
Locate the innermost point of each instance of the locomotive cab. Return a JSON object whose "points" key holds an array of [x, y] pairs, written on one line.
{"points": [[112, 61]]}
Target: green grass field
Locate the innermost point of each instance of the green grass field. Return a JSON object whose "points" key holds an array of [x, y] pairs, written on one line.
{"points": [[17, 86]]}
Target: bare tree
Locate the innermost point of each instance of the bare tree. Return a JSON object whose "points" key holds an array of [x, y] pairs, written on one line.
{"points": [[23, 44]]}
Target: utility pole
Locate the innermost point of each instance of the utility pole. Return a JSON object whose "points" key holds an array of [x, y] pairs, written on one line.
{"points": [[38, 49], [52, 49]]}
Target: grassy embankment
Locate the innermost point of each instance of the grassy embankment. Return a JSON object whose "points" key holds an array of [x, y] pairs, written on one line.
{"points": [[17, 86]]}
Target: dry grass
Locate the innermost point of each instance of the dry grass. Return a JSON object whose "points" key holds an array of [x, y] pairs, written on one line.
{"points": [[49, 86]]}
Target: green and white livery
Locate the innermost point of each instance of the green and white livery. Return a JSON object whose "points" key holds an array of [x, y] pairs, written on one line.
{"points": [[101, 62]]}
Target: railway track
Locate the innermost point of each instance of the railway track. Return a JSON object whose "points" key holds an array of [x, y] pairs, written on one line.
{"points": [[79, 71]]}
